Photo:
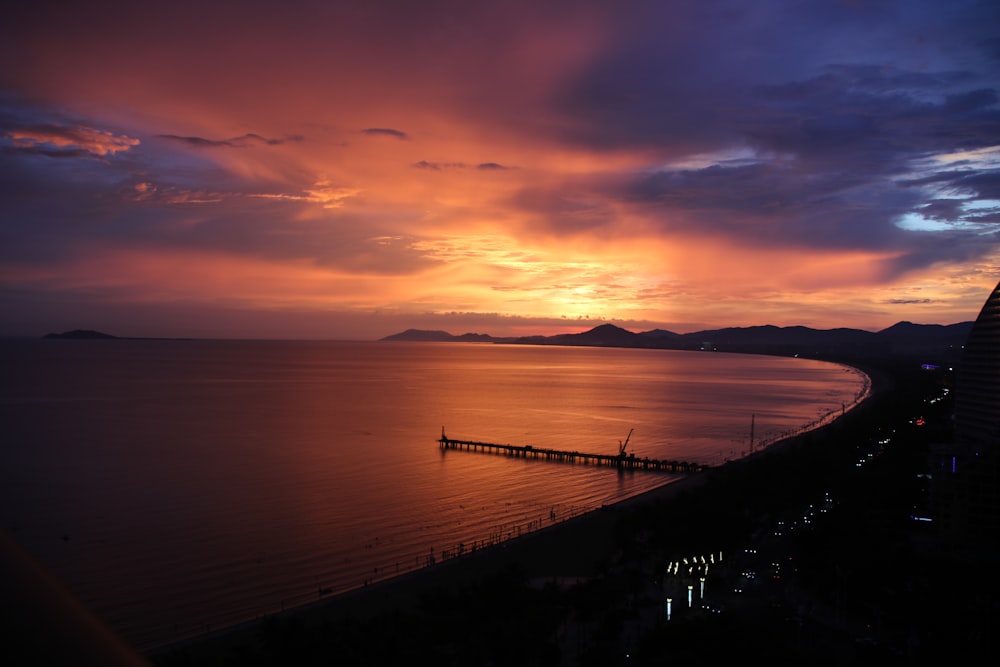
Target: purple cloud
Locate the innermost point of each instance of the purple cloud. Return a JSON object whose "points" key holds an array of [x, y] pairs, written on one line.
{"points": [[235, 142], [386, 132]]}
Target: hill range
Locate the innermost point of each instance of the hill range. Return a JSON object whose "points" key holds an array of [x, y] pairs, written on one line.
{"points": [[941, 343]]}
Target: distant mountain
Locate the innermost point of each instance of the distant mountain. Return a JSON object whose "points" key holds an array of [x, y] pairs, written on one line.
{"points": [[938, 342], [421, 335], [761, 338], [480, 338], [88, 334], [605, 335], [660, 333], [909, 338], [909, 331], [81, 334], [426, 336], [769, 339]]}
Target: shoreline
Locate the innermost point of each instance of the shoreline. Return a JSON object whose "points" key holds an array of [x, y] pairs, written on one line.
{"points": [[565, 543], [573, 548]]}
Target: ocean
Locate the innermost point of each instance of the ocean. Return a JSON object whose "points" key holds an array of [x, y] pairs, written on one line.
{"points": [[181, 486]]}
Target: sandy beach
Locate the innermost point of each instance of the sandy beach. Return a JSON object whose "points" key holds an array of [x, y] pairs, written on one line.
{"points": [[572, 549]]}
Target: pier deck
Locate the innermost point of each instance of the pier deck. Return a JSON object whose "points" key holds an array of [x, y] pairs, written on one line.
{"points": [[627, 462]]}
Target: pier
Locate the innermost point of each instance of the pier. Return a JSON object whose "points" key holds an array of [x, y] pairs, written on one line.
{"points": [[621, 460]]}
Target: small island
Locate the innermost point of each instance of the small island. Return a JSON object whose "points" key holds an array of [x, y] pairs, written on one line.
{"points": [[81, 334]]}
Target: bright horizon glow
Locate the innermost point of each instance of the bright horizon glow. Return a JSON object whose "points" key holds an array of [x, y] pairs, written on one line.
{"points": [[348, 171]]}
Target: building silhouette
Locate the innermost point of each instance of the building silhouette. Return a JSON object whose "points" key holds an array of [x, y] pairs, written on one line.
{"points": [[966, 471]]}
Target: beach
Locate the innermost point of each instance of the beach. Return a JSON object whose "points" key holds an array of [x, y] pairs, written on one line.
{"points": [[574, 549]]}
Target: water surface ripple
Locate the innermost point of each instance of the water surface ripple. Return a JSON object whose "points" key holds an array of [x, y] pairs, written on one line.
{"points": [[182, 485]]}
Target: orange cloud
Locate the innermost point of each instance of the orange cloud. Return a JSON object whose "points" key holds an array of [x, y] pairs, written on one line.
{"points": [[517, 160], [89, 140]]}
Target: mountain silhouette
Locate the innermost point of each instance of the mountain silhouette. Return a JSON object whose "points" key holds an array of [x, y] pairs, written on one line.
{"points": [[903, 338], [81, 334]]}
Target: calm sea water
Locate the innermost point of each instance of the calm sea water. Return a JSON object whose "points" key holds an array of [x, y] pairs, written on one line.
{"points": [[177, 485]]}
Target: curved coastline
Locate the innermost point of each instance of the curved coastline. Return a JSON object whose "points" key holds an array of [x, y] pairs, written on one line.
{"points": [[572, 548]]}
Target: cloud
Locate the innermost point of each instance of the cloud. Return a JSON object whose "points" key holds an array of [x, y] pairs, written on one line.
{"points": [[853, 113], [983, 184], [66, 141], [236, 142], [830, 161], [943, 209], [439, 166], [386, 132], [568, 208], [794, 149], [322, 192], [152, 194]]}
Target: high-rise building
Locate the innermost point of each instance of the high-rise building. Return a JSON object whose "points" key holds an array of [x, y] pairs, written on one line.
{"points": [[967, 475], [977, 389]]}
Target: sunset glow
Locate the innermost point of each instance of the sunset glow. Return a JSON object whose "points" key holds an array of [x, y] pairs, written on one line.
{"points": [[353, 169]]}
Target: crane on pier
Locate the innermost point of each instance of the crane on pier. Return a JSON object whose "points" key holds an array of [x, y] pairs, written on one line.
{"points": [[623, 445]]}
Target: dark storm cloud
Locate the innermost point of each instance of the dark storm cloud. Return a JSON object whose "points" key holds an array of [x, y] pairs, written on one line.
{"points": [[775, 205], [943, 209], [570, 209], [985, 219], [973, 100], [984, 184], [855, 117], [830, 152], [48, 152], [690, 77]]}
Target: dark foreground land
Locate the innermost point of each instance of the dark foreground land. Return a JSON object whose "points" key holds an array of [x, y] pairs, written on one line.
{"points": [[811, 553]]}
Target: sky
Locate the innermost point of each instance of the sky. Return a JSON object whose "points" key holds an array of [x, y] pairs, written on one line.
{"points": [[348, 170]]}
